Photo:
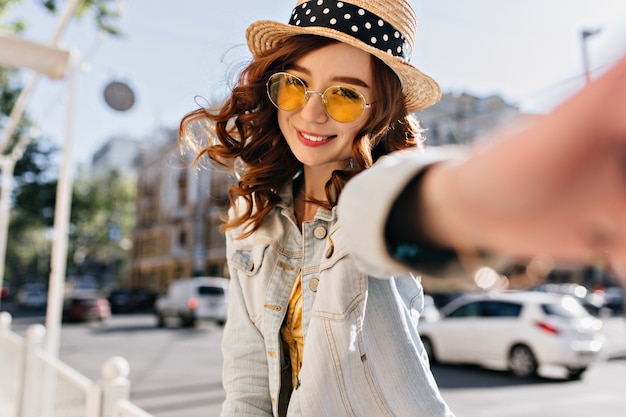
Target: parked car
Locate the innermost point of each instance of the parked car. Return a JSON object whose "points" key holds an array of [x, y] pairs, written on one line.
{"points": [[85, 307], [129, 300], [614, 299], [591, 301], [521, 331], [5, 292], [441, 299], [191, 299], [430, 312], [32, 295]]}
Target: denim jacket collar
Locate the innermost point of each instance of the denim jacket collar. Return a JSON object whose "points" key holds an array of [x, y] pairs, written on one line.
{"points": [[286, 205]]}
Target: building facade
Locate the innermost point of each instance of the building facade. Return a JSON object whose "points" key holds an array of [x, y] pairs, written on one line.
{"points": [[178, 214], [460, 119], [117, 154]]}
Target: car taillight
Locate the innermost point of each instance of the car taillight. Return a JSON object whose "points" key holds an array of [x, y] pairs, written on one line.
{"points": [[192, 303], [547, 327]]}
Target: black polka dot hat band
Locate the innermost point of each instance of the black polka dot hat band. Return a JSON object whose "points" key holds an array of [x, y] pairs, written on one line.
{"points": [[352, 20], [383, 28]]}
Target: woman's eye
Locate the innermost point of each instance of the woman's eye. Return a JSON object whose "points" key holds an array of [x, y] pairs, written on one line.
{"points": [[347, 93]]}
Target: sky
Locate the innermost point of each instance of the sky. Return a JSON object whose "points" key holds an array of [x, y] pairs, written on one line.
{"points": [[527, 51]]}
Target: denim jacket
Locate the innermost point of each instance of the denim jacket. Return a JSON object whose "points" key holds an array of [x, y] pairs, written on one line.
{"points": [[362, 353]]}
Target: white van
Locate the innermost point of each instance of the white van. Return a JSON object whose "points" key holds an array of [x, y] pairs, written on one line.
{"points": [[191, 299]]}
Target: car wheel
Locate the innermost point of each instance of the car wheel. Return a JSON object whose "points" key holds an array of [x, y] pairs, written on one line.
{"points": [[522, 362], [160, 320], [575, 373], [430, 351]]}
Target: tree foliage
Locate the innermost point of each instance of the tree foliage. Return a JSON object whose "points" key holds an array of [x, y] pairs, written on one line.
{"points": [[28, 246], [101, 223], [35, 179], [35, 184], [14, 27], [104, 12]]}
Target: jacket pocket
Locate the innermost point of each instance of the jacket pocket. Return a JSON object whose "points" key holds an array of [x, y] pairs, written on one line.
{"points": [[342, 286], [248, 261], [341, 289]]}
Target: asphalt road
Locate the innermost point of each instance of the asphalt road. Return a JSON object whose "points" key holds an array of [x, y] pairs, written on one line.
{"points": [[177, 373]]}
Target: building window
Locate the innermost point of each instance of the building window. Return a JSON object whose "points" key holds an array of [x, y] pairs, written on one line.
{"points": [[182, 189], [182, 239]]}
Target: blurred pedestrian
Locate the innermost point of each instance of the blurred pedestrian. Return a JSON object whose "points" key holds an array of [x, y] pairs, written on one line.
{"points": [[323, 98]]}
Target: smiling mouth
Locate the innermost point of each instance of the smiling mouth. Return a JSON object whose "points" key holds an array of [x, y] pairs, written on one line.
{"points": [[317, 139]]}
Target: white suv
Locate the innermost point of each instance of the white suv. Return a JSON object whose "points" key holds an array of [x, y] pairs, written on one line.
{"points": [[521, 331], [191, 299]]}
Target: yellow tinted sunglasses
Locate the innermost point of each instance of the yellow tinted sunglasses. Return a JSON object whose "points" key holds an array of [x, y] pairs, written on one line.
{"points": [[288, 92]]}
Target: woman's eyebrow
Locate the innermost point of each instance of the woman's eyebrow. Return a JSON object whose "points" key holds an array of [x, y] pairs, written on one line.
{"points": [[352, 80], [343, 79]]}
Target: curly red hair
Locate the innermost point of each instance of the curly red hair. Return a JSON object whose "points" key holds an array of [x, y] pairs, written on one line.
{"points": [[247, 130]]}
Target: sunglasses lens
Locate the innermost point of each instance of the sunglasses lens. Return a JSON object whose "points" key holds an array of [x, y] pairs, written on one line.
{"points": [[286, 91], [343, 104]]}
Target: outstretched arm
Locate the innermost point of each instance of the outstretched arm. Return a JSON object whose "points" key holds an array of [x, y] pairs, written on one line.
{"points": [[556, 188]]}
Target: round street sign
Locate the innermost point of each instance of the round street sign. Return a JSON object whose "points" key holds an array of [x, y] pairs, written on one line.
{"points": [[119, 96]]}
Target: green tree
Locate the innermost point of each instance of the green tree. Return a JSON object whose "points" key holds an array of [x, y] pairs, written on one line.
{"points": [[101, 225], [28, 246], [35, 183]]}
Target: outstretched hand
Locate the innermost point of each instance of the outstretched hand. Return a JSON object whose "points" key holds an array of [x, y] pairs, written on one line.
{"points": [[555, 188]]}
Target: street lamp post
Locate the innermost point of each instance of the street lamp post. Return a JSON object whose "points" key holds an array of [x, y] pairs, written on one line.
{"points": [[584, 35]]}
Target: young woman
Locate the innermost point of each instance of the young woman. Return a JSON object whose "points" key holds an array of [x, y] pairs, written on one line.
{"points": [[323, 310], [324, 97]]}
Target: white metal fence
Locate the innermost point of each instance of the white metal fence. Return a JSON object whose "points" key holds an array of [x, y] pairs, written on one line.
{"points": [[34, 383]]}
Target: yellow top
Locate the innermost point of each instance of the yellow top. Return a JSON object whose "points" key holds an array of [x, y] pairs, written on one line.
{"points": [[292, 332]]}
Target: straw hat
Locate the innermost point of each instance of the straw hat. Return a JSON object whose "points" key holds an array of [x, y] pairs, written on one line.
{"points": [[385, 29]]}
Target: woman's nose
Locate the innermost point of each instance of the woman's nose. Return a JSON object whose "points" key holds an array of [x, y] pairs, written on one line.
{"points": [[313, 109]]}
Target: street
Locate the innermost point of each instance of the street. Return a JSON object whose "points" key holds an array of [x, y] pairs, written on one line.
{"points": [[176, 372]]}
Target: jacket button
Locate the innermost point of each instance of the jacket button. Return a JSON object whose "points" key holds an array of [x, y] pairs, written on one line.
{"points": [[313, 284], [319, 232]]}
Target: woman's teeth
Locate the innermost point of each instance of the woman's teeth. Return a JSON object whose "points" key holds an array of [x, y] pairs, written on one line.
{"points": [[314, 138]]}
